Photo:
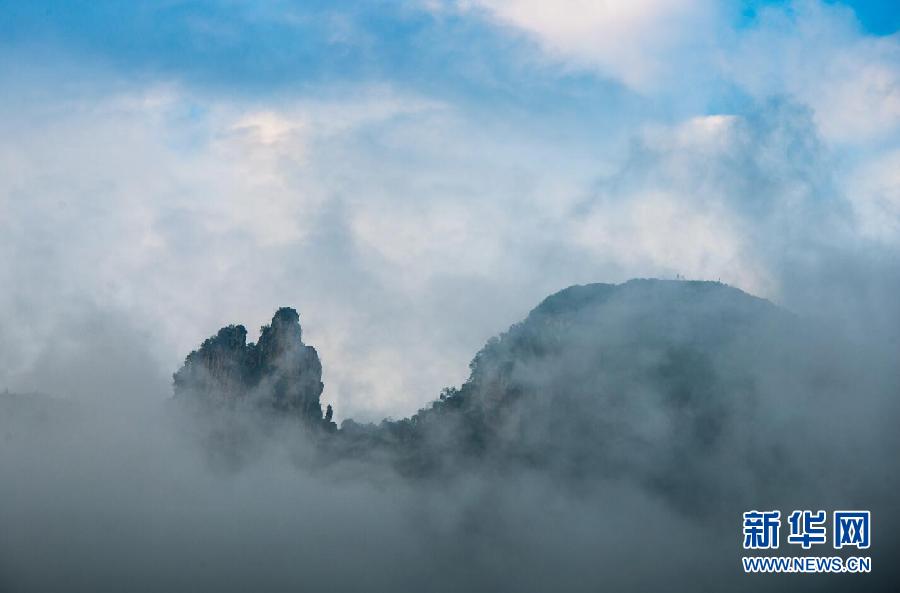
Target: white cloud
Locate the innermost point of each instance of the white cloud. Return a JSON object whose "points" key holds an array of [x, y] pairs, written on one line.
{"points": [[818, 55], [814, 53], [671, 209], [405, 231], [389, 221], [182, 212], [638, 42], [874, 190], [736, 198], [664, 231]]}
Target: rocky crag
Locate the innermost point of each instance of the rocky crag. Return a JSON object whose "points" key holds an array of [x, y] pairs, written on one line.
{"points": [[278, 373]]}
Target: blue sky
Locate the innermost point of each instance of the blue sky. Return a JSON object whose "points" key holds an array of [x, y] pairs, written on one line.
{"points": [[415, 176], [271, 43]]}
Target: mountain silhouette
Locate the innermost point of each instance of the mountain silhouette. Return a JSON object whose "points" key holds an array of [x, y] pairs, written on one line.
{"points": [[663, 382]]}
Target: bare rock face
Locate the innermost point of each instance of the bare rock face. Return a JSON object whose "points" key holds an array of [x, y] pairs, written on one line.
{"points": [[279, 372]]}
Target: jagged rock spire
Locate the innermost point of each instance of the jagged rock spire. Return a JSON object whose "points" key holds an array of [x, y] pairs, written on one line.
{"points": [[278, 372]]}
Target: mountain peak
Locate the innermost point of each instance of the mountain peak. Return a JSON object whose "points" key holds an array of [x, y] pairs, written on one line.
{"points": [[279, 372]]}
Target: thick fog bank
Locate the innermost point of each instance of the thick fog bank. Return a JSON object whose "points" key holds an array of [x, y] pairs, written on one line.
{"points": [[610, 441]]}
